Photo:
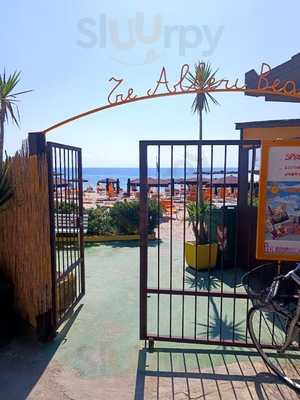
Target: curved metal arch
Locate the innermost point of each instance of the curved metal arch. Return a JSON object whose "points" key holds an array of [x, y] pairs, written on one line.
{"points": [[165, 94]]}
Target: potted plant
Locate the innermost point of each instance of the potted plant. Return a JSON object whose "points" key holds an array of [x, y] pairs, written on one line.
{"points": [[200, 253]]}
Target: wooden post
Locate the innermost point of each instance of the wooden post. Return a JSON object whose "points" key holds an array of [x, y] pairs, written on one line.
{"points": [[37, 143], [242, 208], [45, 321], [128, 187]]}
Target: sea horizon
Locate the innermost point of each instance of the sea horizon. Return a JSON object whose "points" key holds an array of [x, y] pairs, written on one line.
{"points": [[92, 175]]}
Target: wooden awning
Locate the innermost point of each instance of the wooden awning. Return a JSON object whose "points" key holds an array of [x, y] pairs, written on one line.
{"points": [[288, 71], [152, 182]]}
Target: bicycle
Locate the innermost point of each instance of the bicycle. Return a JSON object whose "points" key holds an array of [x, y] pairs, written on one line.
{"points": [[273, 321]]}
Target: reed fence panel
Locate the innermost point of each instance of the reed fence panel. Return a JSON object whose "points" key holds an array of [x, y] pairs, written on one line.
{"points": [[25, 253]]}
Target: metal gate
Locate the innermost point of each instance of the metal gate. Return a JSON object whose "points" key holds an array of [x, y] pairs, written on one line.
{"points": [[66, 225], [179, 303]]}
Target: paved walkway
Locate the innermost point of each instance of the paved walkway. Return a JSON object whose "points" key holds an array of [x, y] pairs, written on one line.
{"points": [[97, 354], [33, 371]]}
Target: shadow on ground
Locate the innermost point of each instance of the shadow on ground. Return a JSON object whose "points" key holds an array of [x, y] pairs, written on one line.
{"points": [[212, 279], [31, 358], [179, 374]]}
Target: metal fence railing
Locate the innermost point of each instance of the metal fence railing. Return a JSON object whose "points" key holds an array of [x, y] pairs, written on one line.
{"points": [[67, 228], [181, 301]]}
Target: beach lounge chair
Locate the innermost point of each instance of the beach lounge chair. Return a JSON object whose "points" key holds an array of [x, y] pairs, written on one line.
{"points": [[169, 208]]}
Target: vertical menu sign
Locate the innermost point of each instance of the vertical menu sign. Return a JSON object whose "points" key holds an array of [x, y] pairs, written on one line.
{"points": [[278, 228]]}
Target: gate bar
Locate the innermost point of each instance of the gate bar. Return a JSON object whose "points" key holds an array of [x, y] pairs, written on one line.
{"points": [[52, 235], [191, 340], [81, 244], [203, 293], [143, 239]]}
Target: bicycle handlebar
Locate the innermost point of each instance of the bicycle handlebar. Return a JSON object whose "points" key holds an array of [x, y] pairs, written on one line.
{"points": [[293, 274]]}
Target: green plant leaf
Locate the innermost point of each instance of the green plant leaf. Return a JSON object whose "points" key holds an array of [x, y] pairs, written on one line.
{"points": [[8, 101]]}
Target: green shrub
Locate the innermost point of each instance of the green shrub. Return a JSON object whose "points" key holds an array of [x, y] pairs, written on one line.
{"points": [[67, 207], [125, 216], [154, 213], [255, 200], [99, 222]]}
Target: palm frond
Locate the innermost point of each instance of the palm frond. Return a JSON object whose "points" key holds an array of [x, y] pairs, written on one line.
{"points": [[213, 99], [11, 111], [9, 98], [198, 103], [8, 85], [23, 92], [202, 78]]}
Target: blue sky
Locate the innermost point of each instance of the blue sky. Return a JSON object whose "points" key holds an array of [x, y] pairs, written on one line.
{"points": [[67, 51]]}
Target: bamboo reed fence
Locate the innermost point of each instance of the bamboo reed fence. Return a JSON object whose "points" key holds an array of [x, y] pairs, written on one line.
{"points": [[25, 253]]}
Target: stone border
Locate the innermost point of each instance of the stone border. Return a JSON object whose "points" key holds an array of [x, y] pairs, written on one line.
{"points": [[115, 238]]}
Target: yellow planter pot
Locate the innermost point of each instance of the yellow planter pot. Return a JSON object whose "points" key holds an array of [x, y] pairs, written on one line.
{"points": [[206, 255]]}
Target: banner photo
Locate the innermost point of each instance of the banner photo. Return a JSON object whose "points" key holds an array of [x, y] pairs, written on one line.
{"points": [[278, 227]]}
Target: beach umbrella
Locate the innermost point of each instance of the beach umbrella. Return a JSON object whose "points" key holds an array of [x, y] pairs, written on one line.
{"points": [[110, 189]]}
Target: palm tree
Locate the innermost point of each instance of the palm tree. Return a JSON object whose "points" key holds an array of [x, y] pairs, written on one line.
{"points": [[201, 79], [8, 103]]}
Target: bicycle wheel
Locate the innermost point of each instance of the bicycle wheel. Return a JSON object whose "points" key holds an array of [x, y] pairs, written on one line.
{"points": [[268, 328]]}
